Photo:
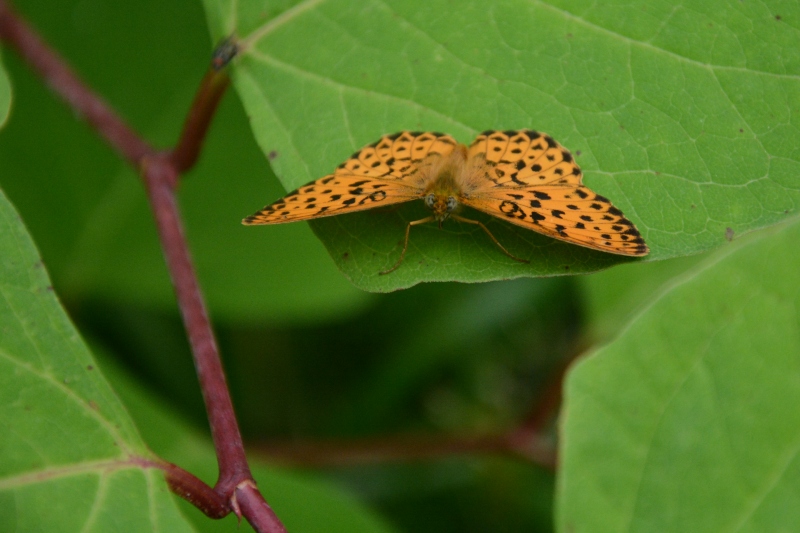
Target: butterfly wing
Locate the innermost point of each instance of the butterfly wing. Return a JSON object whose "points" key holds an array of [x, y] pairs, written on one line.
{"points": [[530, 180], [398, 156], [333, 195], [386, 172], [524, 157]]}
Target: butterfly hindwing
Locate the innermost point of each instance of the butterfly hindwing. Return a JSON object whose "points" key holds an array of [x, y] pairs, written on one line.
{"points": [[524, 157], [397, 156]]}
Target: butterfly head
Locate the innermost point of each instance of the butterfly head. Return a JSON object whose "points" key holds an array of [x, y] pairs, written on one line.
{"points": [[441, 205]]}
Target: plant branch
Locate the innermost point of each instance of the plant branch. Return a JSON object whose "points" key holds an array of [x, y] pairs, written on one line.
{"points": [[186, 152], [534, 449], [159, 173], [530, 441], [235, 489]]}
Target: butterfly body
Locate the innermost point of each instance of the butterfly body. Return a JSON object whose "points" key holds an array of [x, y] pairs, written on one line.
{"points": [[524, 177], [442, 177]]}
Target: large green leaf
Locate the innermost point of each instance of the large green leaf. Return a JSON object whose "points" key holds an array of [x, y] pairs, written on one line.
{"points": [[663, 105], [688, 421], [5, 95], [88, 211], [71, 458]]}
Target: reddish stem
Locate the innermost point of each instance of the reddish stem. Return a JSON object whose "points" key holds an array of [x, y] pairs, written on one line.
{"points": [[192, 489], [251, 503], [534, 448], [160, 171], [530, 441], [186, 152]]}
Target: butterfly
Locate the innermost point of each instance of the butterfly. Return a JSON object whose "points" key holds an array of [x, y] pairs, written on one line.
{"points": [[524, 177]]}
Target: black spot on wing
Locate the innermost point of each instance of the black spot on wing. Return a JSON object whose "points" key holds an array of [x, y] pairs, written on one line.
{"points": [[511, 210]]}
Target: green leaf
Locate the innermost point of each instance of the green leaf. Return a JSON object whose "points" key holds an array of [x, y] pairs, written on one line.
{"points": [[87, 210], [5, 95], [688, 421], [682, 117], [72, 458]]}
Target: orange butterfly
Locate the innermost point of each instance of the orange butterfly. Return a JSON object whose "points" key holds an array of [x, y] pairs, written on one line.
{"points": [[524, 177]]}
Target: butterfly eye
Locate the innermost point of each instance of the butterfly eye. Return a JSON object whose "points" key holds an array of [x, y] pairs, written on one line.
{"points": [[451, 203], [430, 200]]}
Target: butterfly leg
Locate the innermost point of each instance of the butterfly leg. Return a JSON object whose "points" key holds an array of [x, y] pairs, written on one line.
{"points": [[489, 233], [405, 245]]}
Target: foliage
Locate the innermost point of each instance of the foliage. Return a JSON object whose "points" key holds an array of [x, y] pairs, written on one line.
{"points": [[661, 105], [705, 435], [684, 116]]}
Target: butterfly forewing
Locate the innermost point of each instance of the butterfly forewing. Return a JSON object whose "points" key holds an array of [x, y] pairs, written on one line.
{"points": [[560, 212], [534, 182], [333, 195], [382, 173]]}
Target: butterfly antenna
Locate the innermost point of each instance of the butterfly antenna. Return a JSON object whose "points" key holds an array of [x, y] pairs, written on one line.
{"points": [[405, 244], [489, 233]]}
